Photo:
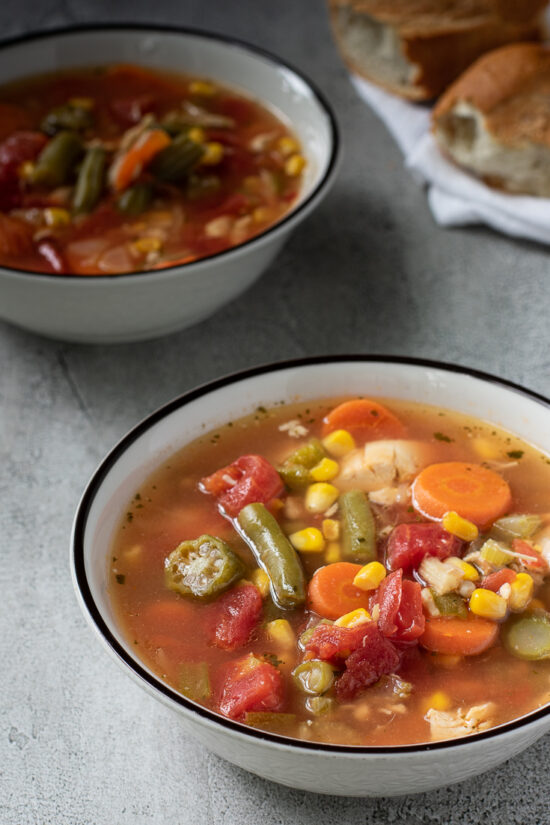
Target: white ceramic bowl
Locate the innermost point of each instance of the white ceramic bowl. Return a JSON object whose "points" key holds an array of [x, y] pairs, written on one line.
{"points": [[357, 771], [131, 307]]}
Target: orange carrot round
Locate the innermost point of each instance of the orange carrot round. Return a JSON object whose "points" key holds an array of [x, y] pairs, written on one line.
{"points": [[331, 591], [474, 492], [463, 637], [364, 419], [129, 165]]}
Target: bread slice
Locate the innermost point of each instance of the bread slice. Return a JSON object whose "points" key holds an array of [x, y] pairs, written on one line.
{"points": [[495, 119], [415, 48]]}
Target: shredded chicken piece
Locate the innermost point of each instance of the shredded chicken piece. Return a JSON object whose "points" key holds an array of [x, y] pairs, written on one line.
{"points": [[382, 464], [386, 496], [294, 428], [450, 724]]}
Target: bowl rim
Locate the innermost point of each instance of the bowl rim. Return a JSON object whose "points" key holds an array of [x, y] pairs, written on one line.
{"points": [[334, 154], [149, 680]]}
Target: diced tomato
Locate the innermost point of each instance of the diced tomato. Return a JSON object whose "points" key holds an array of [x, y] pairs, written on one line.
{"points": [[494, 581], [249, 479], [334, 644], [130, 110], [15, 237], [251, 685], [523, 547], [409, 543], [401, 616], [234, 616], [376, 656]]}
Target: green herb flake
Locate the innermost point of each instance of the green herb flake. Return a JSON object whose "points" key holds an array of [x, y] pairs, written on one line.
{"points": [[515, 454], [120, 577], [442, 437]]}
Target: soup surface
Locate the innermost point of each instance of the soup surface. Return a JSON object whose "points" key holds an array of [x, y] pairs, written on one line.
{"points": [[121, 168], [354, 572]]}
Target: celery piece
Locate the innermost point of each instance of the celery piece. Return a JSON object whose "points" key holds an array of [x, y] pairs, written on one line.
{"points": [[194, 681], [528, 636]]}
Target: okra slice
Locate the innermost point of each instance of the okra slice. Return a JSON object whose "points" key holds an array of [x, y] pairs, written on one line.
{"points": [[202, 568], [358, 528], [57, 160], [194, 681], [90, 180], [274, 553], [528, 636]]}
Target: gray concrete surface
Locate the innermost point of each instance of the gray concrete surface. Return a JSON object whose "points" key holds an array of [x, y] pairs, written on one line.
{"points": [[80, 744]]}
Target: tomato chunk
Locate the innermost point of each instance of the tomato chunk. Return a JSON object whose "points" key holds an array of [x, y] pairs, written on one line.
{"points": [[333, 644], [376, 656], [401, 616], [494, 581], [408, 544], [250, 479], [251, 685], [234, 616]]}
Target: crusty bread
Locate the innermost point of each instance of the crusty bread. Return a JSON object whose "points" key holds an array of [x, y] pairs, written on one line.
{"points": [[495, 119], [415, 48]]}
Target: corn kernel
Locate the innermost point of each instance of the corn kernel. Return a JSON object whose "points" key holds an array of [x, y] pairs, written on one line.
{"points": [[326, 470], [331, 529], [320, 496], [308, 540], [495, 553], [458, 526], [213, 153], [487, 604], [438, 701], [287, 145], [486, 449], [202, 87], [370, 576], [521, 591], [339, 443], [294, 165], [82, 102], [280, 631], [260, 578], [26, 170], [333, 553], [196, 133], [353, 618], [54, 216], [468, 570], [145, 245]]}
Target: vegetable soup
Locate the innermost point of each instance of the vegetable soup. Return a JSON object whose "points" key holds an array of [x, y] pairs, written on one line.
{"points": [[122, 168], [356, 572]]}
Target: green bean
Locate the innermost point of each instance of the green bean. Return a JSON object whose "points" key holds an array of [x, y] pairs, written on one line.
{"points": [[528, 636], [313, 677], [69, 117], [515, 527], [136, 199], [274, 553], [450, 604], [57, 160], [174, 163], [90, 180], [202, 568], [295, 469], [358, 529], [194, 681]]}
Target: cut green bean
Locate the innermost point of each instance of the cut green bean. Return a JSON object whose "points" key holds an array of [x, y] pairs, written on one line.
{"points": [[275, 554], [528, 636], [69, 117], [57, 160], [174, 163], [313, 677], [450, 604], [136, 199], [90, 180], [358, 528], [202, 568], [194, 681]]}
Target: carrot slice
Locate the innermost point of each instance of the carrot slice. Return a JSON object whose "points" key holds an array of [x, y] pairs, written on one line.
{"points": [[465, 637], [364, 419], [331, 591], [474, 492], [130, 163]]}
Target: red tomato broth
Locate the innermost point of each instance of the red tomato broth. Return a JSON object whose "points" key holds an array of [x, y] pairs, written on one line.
{"points": [[248, 188], [171, 509]]}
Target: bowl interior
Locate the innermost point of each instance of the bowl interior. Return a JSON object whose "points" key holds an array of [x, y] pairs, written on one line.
{"points": [[236, 65], [170, 428]]}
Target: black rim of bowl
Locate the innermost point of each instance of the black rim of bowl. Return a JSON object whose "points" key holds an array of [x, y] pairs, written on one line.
{"points": [[256, 51], [140, 670]]}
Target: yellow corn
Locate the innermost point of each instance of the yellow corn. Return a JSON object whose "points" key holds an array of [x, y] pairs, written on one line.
{"points": [[260, 578], [370, 576], [331, 529], [521, 591], [82, 102], [487, 604], [320, 496], [54, 216], [294, 165], [468, 570], [486, 449], [213, 153], [202, 87], [287, 145], [353, 618], [308, 540], [333, 553], [495, 553], [280, 631], [326, 470], [458, 526], [196, 133], [438, 701], [339, 443], [145, 245]]}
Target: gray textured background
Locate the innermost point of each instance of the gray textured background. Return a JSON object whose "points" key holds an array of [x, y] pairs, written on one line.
{"points": [[80, 744]]}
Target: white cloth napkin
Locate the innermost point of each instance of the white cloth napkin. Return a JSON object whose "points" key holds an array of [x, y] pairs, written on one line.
{"points": [[455, 198]]}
